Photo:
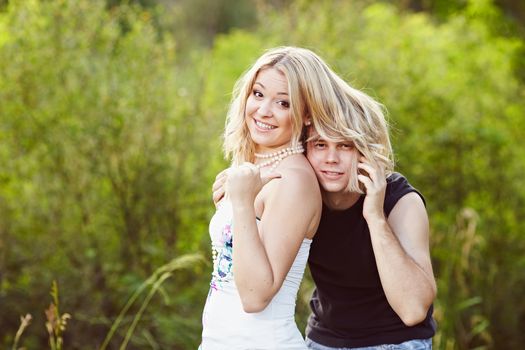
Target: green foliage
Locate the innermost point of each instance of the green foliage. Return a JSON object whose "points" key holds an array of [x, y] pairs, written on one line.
{"points": [[101, 166], [456, 109], [195, 23], [110, 138], [154, 283]]}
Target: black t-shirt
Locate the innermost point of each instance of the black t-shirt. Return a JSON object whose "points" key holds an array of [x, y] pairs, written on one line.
{"points": [[349, 306]]}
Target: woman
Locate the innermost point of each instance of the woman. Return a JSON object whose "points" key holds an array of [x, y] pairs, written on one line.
{"points": [[262, 230]]}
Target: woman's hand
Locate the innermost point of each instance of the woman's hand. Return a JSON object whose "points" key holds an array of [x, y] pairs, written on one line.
{"points": [[243, 183], [219, 186], [372, 176]]}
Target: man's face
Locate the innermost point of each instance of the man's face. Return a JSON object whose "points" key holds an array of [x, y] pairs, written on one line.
{"points": [[332, 162]]}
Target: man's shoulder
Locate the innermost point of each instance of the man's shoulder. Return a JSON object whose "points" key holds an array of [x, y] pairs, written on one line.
{"points": [[397, 187]]}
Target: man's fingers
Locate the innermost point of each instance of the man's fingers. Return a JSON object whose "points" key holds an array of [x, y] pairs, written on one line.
{"points": [[222, 174], [219, 182], [218, 186], [269, 177], [217, 195]]}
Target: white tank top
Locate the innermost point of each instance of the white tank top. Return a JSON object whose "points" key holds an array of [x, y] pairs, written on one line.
{"points": [[225, 324]]}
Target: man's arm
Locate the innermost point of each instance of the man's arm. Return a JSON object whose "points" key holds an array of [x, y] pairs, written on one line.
{"points": [[401, 247], [218, 186], [403, 259]]}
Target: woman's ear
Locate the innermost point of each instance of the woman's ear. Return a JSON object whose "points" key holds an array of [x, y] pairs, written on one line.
{"points": [[307, 122]]}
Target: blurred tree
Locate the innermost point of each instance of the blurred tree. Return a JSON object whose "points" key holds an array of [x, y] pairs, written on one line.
{"points": [[104, 160], [110, 120], [196, 22], [514, 9], [456, 108]]}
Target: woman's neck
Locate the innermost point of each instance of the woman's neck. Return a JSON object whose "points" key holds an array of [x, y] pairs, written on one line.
{"points": [[272, 159], [262, 150]]}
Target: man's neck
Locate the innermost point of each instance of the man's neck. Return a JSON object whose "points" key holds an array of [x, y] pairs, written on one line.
{"points": [[340, 200]]}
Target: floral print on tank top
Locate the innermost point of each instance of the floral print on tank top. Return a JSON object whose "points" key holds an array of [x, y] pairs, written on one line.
{"points": [[222, 258]]}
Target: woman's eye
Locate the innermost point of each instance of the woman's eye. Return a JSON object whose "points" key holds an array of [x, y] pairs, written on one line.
{"points": [[347, 146], [257, 93], [284, 104], [319, 145]]}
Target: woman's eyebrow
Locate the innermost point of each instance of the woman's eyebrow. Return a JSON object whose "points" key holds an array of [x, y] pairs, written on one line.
{"points": [[264, 87]]}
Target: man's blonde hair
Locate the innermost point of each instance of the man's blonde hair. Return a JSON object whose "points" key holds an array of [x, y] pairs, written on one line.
{"points": [[337, 111], [351, 115]]}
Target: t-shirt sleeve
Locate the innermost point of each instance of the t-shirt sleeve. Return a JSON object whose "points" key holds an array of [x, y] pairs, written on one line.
{"points": [[397, 186]]}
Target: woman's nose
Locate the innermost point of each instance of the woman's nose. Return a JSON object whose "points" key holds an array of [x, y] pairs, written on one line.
{"points": [[265, 109]]}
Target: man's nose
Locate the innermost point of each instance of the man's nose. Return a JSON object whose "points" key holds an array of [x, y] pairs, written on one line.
{"points": [[332, 156]]}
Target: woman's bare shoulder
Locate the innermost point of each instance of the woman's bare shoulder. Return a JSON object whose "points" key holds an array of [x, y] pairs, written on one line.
{"points": [[297, 169], [297, 179]]}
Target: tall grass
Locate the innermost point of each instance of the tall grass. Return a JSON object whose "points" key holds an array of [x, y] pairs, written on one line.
{"points": [[461, 320], [24, 323], [56, 322], [153, 283]]}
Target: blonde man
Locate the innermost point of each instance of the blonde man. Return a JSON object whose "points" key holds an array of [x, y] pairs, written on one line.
{"points": [[370, 259]]}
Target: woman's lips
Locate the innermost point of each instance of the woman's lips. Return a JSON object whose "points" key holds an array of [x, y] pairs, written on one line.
{"points": [[263, 126]]}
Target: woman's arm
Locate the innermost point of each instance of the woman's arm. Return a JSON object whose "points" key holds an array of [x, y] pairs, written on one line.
{"points": [[264, 253]]}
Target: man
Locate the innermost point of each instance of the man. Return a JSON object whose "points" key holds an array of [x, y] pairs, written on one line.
{"points": [[370, 259]]}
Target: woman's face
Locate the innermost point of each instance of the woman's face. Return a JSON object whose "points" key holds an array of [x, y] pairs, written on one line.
{"points": [[268, 111]]}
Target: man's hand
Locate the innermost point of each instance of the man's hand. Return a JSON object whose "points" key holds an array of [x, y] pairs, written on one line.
{"points": [[372, 176], [218, 186]]}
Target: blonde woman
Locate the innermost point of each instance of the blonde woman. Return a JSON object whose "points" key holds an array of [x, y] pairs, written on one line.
{"points": [[262, 229], [370, 259]]}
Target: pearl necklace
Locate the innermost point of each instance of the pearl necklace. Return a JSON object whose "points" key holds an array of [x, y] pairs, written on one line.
{"points": [[275, 158]]}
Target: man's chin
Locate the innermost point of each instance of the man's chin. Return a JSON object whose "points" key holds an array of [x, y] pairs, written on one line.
{"points": [[332, 188]]}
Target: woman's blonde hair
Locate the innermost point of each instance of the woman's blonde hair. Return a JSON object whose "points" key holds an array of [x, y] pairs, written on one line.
{"points": [[305, 73], [337, 111]]}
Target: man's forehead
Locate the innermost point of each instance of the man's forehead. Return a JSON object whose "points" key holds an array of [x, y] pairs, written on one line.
{"points": [[314, 136]]}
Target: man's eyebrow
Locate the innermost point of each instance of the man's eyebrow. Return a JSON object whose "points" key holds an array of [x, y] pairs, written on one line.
{"points": [[264, 87]]}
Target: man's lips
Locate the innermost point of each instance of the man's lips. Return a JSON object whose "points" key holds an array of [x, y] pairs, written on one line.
{"points": [[332, 173]]}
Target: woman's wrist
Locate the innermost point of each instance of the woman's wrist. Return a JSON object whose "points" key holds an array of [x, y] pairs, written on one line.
{"points": [[242, 207]]}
